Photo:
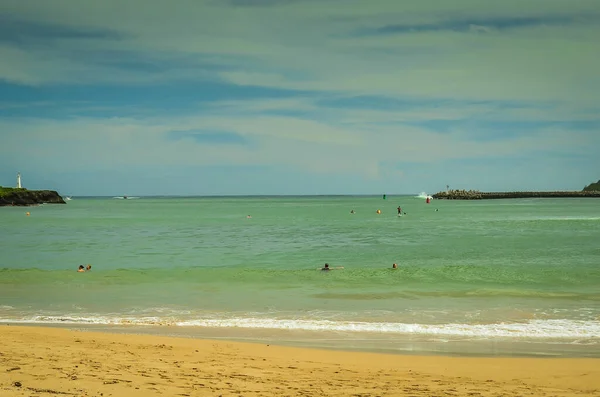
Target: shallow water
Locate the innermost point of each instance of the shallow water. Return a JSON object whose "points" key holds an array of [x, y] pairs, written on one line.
{"points": [[521, 271]]}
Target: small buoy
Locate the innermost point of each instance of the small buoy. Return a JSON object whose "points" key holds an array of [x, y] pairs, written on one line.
{"points": [[27, 213]]}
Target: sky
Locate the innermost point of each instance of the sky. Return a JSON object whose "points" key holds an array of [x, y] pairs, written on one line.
{"points": [[251, 97]]}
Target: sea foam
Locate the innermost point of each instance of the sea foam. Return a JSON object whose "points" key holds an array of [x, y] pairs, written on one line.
{"points": [[539, 329]]}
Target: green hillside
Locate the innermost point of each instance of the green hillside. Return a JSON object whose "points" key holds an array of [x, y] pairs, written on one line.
{"points": [[592, 187]]}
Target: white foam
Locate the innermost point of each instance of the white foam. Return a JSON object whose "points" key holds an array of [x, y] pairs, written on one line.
{"points": [[550, 329], [558, 218]]}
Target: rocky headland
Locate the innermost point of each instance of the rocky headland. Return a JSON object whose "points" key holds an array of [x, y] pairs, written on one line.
{"points": [[23, 197]]}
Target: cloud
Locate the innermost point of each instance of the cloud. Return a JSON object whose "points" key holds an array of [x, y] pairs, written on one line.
{"points": [[210, 138], [325, 145], [483, 24], [425, 88], [24, 32], [311, 46]]}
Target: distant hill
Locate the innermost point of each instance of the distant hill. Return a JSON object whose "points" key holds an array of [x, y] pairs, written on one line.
{"points": [[592, 187]]}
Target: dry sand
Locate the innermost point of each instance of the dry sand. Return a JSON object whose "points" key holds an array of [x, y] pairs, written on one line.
{"points": [[37, 361]]}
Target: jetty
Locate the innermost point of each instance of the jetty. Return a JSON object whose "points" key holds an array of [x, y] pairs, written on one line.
{"points": [[477, 195]]}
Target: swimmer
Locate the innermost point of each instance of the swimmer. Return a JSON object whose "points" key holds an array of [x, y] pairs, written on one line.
{"points": [[88, 267], [394, 266], [352, 212], [81, 269], [327, 268]]}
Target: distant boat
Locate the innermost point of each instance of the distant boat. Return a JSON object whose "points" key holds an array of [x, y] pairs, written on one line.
{"points": [[68, 198]]}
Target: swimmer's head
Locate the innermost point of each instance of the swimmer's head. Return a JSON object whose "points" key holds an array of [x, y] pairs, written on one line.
{"points": [[394, 266]]}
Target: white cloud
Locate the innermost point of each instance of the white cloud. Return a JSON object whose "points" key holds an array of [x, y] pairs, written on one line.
{"points": [[308, 46], [530, 73], [319, 145]]}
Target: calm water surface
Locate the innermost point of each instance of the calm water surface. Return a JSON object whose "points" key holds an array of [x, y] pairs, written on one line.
{"points": [[522, 273]]}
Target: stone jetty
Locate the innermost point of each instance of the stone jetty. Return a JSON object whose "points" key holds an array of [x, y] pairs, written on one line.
{"points": [[477, 195]]}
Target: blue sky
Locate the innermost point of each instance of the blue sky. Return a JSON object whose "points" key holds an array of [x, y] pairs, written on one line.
{"points": [[148, 97]]}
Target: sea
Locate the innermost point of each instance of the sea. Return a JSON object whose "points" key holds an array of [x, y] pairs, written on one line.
{"points": [[514, 277]]}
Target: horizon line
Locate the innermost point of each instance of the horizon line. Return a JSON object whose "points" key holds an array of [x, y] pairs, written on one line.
{"points": [[242, 195]]}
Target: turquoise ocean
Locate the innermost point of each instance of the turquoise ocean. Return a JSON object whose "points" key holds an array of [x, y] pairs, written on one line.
{"points": [[518, 276]]}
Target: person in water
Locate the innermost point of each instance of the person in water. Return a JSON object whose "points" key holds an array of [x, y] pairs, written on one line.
{"points": [[88, 267], [81, 269], [399, 210], [394, 266], [326, 267]]}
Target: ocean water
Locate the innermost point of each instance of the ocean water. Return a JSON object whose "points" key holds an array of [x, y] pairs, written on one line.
{"points": [[499, 276]]}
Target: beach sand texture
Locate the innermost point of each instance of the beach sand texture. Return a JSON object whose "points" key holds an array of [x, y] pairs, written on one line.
{"points": [[39, 361]]}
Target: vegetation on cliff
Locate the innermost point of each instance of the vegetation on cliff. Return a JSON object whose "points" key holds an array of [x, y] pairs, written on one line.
{"points": [[23, 197], [592, 187]]}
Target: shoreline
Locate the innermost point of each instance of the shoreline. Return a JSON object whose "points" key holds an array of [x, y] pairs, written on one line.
{"points": [[60, 361], [394, 344]]}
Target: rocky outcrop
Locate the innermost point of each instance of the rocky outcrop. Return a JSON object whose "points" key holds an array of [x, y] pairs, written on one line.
{"points": [[477, 195], [24, 197]]}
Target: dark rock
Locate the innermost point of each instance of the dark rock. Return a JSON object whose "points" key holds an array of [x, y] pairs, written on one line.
{"points": [[24, 197]]}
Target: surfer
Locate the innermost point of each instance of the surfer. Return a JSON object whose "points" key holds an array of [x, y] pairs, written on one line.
{"points": [[399, 210]]}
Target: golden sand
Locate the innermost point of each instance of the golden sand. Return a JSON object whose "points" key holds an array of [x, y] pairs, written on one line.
{"points": [[37, 361]]}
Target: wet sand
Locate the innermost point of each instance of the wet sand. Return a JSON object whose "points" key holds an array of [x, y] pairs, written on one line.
{"points": [[39, 361]]}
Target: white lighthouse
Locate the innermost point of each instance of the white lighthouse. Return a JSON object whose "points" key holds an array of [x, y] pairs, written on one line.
{"points": [[18, 180]]}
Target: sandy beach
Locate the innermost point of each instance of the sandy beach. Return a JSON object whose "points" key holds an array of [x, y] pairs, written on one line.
{"points": [[39, 361]]}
